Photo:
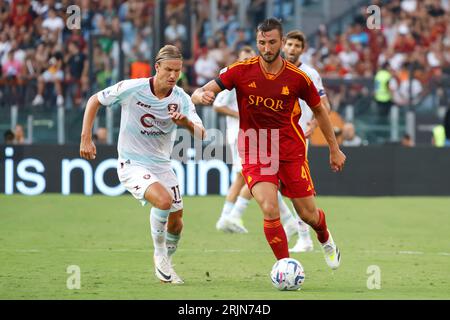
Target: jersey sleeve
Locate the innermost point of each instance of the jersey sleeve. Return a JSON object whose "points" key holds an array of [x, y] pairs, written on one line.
{"points": [[317, 80], [309, 94], [118, 92], [227, 77]]}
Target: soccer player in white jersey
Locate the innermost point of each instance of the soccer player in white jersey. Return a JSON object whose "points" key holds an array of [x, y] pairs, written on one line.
{"points": [[226, 104], [152, 108], [295, 43], [239, 195]]}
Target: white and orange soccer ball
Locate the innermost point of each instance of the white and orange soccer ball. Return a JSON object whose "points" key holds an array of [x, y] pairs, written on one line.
{"points": [[287, 274]]}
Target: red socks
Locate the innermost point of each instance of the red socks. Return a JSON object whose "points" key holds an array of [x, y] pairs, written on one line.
{"points": [[276, 237], [321, 228]]}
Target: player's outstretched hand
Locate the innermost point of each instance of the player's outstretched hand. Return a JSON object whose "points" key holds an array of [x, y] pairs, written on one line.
{"points": [[87, 149], [179, 118], [337, 160], [208, 97]]}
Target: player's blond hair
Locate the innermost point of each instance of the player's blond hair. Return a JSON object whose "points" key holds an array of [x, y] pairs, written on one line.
{"points": [[168, 52]]}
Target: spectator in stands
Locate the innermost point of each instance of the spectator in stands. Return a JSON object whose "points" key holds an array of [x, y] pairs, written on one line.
{"points": [[54, 23], [175, 31], [205, 67], [54, 74], [8, 137], [382, 91], [338, 135], [349, 137], [408, 91], [19, 135], [407, 141], [12, 70], [76, 73], [100, 136]]}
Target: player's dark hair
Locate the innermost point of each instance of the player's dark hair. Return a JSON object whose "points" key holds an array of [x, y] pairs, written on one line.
{"points": [[270, 24], [297, 35]]}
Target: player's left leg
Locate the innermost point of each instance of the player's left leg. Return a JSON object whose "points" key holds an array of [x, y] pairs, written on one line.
{"points": [[230, 201], [315, 217], [296, 183], [174, 228], [233, 222], [288, 220]]}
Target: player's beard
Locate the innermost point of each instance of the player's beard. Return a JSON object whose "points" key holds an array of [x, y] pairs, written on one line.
{"points": [[270, 60]]}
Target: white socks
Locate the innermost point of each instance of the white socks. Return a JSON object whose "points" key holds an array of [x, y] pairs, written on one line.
{"points": [[158, 225], [239, 207], [227, 207]]}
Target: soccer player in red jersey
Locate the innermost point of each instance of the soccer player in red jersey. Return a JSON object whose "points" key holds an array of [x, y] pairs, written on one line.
{"points": [[271, 142]]}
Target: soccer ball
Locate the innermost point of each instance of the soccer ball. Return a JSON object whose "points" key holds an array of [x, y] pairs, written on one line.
{"points": [[287, 274]]}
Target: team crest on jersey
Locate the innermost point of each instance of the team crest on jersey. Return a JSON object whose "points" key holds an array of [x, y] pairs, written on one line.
{"points": [[147, 176], [172, 107], [285, 91]]}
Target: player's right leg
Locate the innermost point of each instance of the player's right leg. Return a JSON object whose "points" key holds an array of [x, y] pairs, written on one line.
{"points": [[161, 200], [146, 187], [266, 195]]}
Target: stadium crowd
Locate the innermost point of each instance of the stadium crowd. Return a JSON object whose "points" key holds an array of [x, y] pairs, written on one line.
{"points": [[43, 62]]}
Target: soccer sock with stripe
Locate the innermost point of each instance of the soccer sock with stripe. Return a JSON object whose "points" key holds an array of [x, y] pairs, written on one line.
{"points": [[276, 237], [239, 207], [158, 222], [321, 228], [172, 243], [227, 207]]}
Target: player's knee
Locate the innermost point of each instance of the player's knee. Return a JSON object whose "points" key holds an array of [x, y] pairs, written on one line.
{"points": [[163, 203], [270, 209]]}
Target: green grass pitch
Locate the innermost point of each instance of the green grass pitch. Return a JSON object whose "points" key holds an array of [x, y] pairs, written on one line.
{"points": [[408, 238]]}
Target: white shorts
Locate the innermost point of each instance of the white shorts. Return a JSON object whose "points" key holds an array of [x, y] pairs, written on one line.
{"points": [[50, 77], [237, 163], [136, 179]]}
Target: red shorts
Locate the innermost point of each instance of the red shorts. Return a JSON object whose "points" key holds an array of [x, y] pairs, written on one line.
{"points": [[293, 177]]}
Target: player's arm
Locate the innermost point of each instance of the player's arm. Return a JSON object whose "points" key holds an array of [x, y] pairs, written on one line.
{"points": [[206, 94], [313, 124], [226, 111], [337, 157], [105, 97], [195, 128], [87, 147], [226, 80]]}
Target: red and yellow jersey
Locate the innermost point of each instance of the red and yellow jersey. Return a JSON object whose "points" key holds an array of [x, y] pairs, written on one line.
{"points": [[269, 101]]}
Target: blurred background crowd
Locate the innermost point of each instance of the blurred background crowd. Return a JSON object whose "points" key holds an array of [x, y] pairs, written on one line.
{"points": [[405, 62]]}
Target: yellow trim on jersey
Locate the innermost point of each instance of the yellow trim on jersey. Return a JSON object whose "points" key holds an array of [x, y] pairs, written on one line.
{"points": [[270, 76], [309, 172], [295, 111]]}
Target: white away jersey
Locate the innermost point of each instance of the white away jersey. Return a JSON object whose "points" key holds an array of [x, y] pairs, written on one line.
{"points": [[307, 114], [227, 98], [147, 133]]}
